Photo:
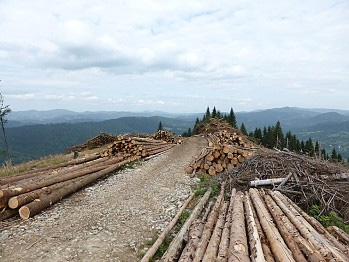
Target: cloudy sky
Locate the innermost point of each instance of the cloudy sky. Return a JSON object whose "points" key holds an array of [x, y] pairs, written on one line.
{"points": [[175, 56]]}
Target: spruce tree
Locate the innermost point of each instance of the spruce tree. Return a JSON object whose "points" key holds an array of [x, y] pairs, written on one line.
{"points": [[243, 129], [279, 136], [4, 111], [303, 146], [323, 153], [207, 116], [339, 158], [317, 148], [160, 126], [214, 112], [219, 115], [334, 156], [232, 118]]}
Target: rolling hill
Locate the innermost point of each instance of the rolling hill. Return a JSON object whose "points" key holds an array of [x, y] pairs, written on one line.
{"points": [[34, 141]]}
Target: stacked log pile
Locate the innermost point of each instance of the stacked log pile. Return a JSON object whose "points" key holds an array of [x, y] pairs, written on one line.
{"points": [[136, 146], [166, 136], [255, 225], [305, 180], [225, 151], [95, 142], [30, 192]]}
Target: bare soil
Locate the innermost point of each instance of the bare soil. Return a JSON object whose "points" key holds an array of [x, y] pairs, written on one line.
{"points": [[110, 220]]}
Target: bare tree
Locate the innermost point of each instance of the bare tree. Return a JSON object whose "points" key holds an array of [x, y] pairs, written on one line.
{"points": [[4, 111]]}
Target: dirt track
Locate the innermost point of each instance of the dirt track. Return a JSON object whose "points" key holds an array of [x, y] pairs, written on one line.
{"points": [[109, 220]]}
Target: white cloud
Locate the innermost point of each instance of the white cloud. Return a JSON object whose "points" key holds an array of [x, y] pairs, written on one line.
{"points": [[21, 96], [174, 48]]}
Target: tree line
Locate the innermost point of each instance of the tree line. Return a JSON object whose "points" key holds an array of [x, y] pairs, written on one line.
{"points": [[270, 137]]}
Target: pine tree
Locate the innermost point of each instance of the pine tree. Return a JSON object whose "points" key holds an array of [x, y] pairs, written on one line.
{"points": [[243, 129], [279, 136], [317, 148], [232, 118], [303, 146], [214, 112], [324, 154], [334, 156], [160, 126], [309, 147], [207, 116], [197, 122], [339, 158], [219, 115]]}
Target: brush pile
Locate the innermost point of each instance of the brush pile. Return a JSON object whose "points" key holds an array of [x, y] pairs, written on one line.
{"points": [[165, 136], [136, 146], [306, 180], [225, 151], [254, 225], [95, 142]]}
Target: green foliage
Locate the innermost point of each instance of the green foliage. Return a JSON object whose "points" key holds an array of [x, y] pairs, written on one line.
{"points": [[243, 129], [184, 216], [330, 219], [160, 127], [206, 182]]}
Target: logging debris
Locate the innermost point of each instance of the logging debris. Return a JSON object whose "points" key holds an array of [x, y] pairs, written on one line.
{"points": [[95, 142], [307, 181]]}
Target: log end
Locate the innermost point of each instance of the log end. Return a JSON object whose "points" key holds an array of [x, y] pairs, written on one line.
{"points": [[24, 212], [13, 202]]}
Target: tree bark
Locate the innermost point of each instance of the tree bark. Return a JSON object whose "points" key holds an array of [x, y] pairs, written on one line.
{"points": [[172, 252], [277, 244], [209, 226], [238, 248], [43, 202]]}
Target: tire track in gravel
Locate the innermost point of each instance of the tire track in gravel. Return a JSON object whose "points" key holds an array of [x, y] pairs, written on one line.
{"points": [[110, 219]]}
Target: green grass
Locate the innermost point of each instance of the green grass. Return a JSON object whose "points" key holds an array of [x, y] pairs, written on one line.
{"points": [[207, 181], [329, 219]]}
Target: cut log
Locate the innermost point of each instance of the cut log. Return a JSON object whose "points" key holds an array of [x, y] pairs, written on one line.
{"points": [[266, 182], [212, 248], [209, 226], [224, 244], [173, 250], [281, 222], [308, 232], [43, 202], [238, 249], [11, 192], [339, 234], [7, 213], [152, 250], [256, 250], [195, 233], [277, 244]]}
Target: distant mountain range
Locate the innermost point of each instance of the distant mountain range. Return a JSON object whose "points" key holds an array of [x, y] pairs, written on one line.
{"points": [[33, 134]]}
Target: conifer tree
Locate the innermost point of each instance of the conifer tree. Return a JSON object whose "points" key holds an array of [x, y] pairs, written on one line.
{"points": [[160, 126], [334, 156], [218, 115], [279, 136], [317, 148], [232, 118], [302, 146], [339, 158], [189, 131], [214, 112], [243, 129], [207, 115]]}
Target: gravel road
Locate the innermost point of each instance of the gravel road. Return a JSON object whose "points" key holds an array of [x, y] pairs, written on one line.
{"points": [[109, 220]]}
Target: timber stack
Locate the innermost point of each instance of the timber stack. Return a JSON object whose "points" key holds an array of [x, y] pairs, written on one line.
{"points": [[136, 146], [30, 192], [166, 136], [225, 151], [255, 225]]}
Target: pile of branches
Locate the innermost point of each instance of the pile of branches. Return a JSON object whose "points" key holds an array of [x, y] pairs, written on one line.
{"points": [[165, 136], [95, 142], [225, 151], [30, 192], [214, 125], [306, 180], [255, 225], [136, 146]]}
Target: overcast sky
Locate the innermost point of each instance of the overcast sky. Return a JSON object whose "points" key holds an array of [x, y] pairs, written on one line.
{"points": [[175, 56]]}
